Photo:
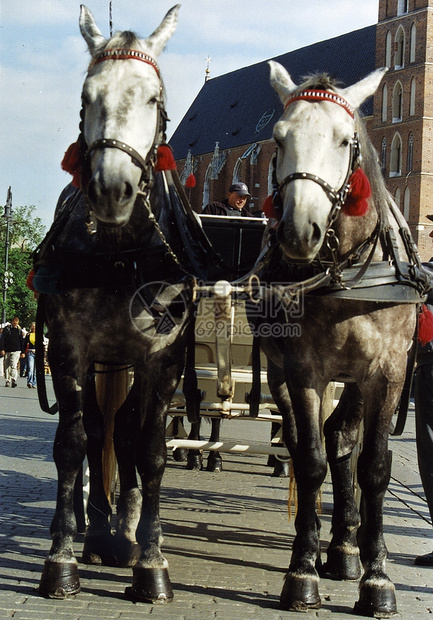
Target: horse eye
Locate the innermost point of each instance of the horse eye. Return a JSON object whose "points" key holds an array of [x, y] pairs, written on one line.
{"points": [[345, 143]]}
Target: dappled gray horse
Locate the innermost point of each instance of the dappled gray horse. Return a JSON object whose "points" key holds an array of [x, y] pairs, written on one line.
{"points": [[121, 268], [341, 249]]}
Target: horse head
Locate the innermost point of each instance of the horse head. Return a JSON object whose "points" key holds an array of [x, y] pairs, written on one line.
{"points": [[317, 152], [123, 117]]}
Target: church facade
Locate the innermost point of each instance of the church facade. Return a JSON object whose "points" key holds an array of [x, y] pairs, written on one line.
{"points": [[226, 135]]}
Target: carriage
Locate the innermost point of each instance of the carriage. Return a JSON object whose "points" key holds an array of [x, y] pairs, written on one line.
{"points": [[223, 351], [340, 265]]}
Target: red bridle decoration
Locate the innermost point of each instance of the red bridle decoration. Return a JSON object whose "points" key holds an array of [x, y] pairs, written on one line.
{"points": [[356, 203], [425, 326], [322, 95], [359, 192], [72, 161], [123, 54]]}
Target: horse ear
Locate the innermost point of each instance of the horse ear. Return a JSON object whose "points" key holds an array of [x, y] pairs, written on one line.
{"points": [[159, 38], [359, 92], [90, 31], [281, 80]]}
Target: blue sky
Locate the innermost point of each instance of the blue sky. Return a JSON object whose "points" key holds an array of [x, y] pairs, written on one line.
{"points": [[43, 60]]}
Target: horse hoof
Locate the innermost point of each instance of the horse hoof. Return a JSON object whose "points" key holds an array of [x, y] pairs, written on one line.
{"points": [[127, 553], [281, 469], [342, 565], [214, 463], [300, 593], [59, 580], [194, 462], [180, 455], [376, 599], [98, 550], [150, 585]]}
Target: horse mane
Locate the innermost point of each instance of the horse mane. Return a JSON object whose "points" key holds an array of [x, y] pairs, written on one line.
{"points": [[370, 160]]}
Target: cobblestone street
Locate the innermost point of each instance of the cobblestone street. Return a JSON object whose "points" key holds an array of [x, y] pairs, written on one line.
{"points": [[227, 535]]}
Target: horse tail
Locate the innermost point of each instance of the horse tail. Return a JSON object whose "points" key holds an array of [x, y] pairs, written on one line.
{"points": [[112, 386], [328, 405]]}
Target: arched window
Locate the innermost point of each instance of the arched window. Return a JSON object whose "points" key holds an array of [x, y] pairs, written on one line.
{"points": [[409, 166], [412, 97], [402, 7], [412, 43], [406, 203], [396, 153], [399, 49], [397, 103], [383, 155], [397, 197], [237, 171], [271, 170], [388, 51], [384, 102], [206, 185]]}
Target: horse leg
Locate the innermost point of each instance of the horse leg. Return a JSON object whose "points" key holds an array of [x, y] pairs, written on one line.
{"points": [[60, 574], [195, 457], [341, 433], [151, 582], [180, 454], [126, 429], [98, 542], [214, 461], [301, 585], [376, 590]]}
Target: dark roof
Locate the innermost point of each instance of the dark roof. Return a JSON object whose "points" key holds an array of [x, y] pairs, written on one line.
{"points": [[241, 107]]}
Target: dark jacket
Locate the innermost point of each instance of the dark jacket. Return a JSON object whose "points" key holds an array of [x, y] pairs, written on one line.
{"points": [[425, 353], [223, 208], [11, 339]]}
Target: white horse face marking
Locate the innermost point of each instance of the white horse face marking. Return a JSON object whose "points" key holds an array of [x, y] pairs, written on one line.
{"points": [[121, 101], [312, 137]]}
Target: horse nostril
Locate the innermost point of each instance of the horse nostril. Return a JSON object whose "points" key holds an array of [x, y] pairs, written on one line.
{"points": [[129, 191], [316, 234]]}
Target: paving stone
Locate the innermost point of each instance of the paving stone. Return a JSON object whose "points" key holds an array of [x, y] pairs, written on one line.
{"points": [[227, 536]]}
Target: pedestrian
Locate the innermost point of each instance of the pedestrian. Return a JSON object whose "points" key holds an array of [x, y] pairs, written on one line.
{"points": [[11, 347], [30, 351], [234, 205], [424, 417]]}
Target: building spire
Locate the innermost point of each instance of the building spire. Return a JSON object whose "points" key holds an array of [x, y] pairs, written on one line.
{"points": [[207, 72]]}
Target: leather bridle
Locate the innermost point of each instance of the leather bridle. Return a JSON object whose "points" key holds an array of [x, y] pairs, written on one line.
{"points": [[337, 197], [145, 163]]}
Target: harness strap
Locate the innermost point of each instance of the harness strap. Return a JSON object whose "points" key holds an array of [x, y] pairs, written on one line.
{"points": [[403, 405], [108, 143], [190, 387], [40, 360]]}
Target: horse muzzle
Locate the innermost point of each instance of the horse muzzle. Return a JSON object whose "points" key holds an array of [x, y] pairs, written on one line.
{"points": [[112, 197], [300, 241]]}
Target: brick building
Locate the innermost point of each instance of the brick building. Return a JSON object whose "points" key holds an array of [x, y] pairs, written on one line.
{"points": [[226, 135]]}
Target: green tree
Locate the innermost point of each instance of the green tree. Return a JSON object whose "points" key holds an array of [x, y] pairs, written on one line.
{"points": [[26, 231]]}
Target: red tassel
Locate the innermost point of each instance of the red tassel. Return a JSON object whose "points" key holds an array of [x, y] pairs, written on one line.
{"points": [[164, 159], [72, 163], [190, 182], [425, 326], [269, 209], [360, 190], [29, 281]]}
